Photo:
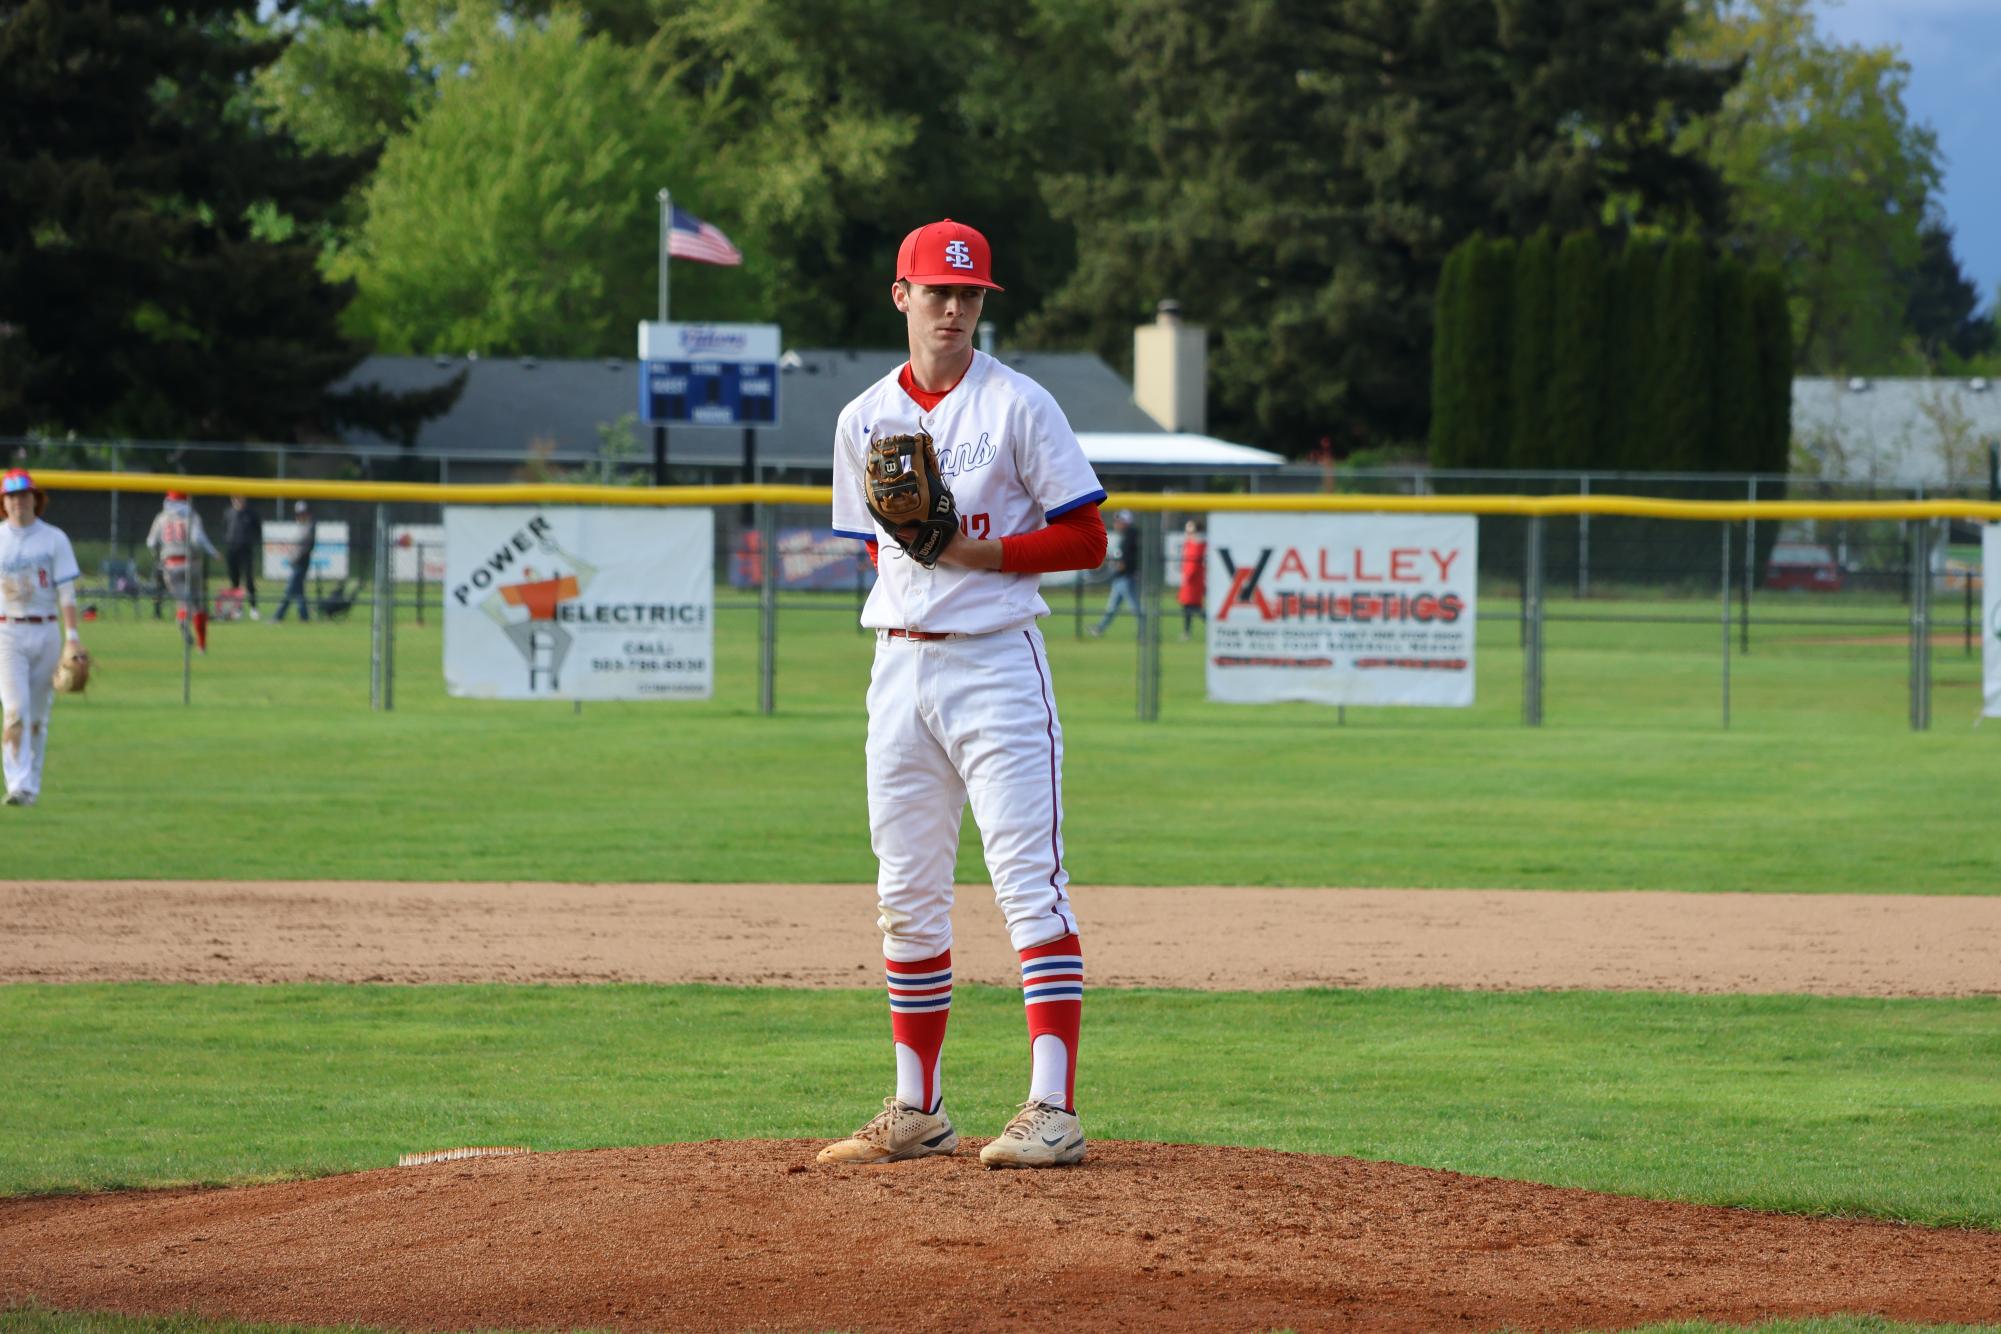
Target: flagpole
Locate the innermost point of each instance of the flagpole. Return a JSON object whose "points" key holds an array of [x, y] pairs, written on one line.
{"points": [[666, 221], [659, 430]]}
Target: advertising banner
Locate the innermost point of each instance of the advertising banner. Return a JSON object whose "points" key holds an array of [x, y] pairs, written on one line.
{"points": [[418, 548], [555, 603], [329, 549], [816, 558], [1342, 608], [1990, 619]]}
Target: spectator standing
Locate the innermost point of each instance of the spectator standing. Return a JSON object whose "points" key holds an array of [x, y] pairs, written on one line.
{"points": [[302, 561], [244, 543], [1123, 548], [1194, 576]]}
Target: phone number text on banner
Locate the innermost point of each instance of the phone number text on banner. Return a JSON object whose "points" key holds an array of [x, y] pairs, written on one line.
{"points": [[1341, 608], [579, 603]]}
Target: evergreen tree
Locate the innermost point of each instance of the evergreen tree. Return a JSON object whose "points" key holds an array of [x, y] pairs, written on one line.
{"points": [[159, 250], [1635, 445], [1683, 382], [1297, 172], [1532, 354], [1578, 356], [1490, 327], [1772, 321], [1736, 444], [1943, 305], [1452, 441]]}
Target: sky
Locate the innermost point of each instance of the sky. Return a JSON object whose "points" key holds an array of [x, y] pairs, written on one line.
{"points": [[1954, 50]]}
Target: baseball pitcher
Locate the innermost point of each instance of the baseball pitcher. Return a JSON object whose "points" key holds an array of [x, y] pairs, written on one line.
{"points": [[967, 483]]}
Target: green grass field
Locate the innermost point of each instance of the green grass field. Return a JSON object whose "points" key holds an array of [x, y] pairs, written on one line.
{"points": [[278, 769]]}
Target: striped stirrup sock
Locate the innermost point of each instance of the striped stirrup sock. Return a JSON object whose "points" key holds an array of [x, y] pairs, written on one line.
{"points": [[920, 1001], [1052, 993]]}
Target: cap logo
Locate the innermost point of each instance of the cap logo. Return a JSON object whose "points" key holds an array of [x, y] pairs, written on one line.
{"points": [[957, 255]]}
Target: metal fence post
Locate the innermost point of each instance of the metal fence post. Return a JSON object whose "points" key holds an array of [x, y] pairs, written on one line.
{"points": [[767, 608], [1921, 636], [1725, 527], [375, 630], [1153, 552], [1532, 626], [1750, 547], [1584, 543]]}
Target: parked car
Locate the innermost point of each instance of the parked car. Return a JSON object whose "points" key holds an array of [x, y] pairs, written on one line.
{"points": [[1803, 565]]}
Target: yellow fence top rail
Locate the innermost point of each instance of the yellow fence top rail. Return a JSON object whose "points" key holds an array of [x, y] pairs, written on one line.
{"points": [[524, 493]]}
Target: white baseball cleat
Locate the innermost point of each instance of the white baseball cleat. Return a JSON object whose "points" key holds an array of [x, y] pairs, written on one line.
{"points": [[18, 799], [898, 1132], [1041, 1135]]}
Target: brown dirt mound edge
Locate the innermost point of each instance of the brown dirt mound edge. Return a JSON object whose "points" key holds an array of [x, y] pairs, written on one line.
{"points": [[753, 1235]]}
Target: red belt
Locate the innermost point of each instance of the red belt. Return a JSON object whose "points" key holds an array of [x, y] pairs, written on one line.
{"points": [[915, 634], [31, 620]]}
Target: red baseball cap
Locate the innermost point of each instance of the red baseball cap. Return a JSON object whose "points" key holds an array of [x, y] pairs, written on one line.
{"points": [[177, 495], [947, 254]]}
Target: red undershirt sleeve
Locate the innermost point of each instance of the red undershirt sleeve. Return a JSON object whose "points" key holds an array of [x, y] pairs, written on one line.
{"points": [[1073, 541]]}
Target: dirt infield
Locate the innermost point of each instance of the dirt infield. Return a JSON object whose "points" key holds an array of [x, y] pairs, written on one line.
{"points": [[821, 935], [754, 1236]]}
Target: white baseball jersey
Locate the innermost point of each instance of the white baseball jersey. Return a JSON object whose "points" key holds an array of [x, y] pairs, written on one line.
{"points": [[1013, 464], [35, 562]]}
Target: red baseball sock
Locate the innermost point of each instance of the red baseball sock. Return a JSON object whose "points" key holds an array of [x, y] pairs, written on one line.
{"points": [[920, 1001], [1052, 992]]}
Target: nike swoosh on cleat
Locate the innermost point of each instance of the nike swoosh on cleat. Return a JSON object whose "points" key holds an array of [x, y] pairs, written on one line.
{"points": [[936, 1141], [1052, 1143]]}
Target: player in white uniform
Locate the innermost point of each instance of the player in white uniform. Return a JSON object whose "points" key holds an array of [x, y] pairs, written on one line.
{"points": [[961, 705], [38, 574]]}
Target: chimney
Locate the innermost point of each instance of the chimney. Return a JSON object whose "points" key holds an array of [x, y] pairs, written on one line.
{"points": [[1171, 371]]}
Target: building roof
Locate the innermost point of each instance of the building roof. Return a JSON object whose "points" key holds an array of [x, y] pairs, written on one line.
{"points": [[1161, 451], [512, 404], [1898, 432]]}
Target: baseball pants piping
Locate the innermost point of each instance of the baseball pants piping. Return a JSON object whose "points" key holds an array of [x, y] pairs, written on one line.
{"points": [[954, 721], [28, 657]]}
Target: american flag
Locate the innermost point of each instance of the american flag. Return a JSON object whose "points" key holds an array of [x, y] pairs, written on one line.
{"points": [[688, 237]]}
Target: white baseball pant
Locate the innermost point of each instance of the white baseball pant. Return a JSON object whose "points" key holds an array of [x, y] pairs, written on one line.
{"points": [[28, 657], [954, 720]]}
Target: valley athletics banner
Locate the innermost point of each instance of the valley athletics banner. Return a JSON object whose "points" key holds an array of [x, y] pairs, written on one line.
{"points": [[1990, 617], [579, 603], [1342, 608]]}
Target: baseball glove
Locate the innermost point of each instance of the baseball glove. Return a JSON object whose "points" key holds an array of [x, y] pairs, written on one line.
{"points": [[908, 496], [73, 672]]}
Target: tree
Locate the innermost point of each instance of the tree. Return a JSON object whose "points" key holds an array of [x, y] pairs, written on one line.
{"points": [[518, 215], [1736, 440], [1828, 173], [159, 250], [1578, 355], [1942, 305], [1295, 174], [1453, 428], [1681, 368], [1532, 352], [1635, 440]]}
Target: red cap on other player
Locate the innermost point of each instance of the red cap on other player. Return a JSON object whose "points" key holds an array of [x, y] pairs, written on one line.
{"points": [[177, 495], [947, 254], [17, 479]]}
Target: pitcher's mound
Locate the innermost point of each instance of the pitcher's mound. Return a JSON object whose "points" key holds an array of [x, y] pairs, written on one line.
{"points": [[737, 1236]]}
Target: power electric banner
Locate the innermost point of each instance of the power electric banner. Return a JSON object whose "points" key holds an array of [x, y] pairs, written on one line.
{"points": [[579, 603], [1990, 619], [1342, 608]]}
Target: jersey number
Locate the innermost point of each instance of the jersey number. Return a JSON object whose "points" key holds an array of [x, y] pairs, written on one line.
{"points": [[975, 525]]}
